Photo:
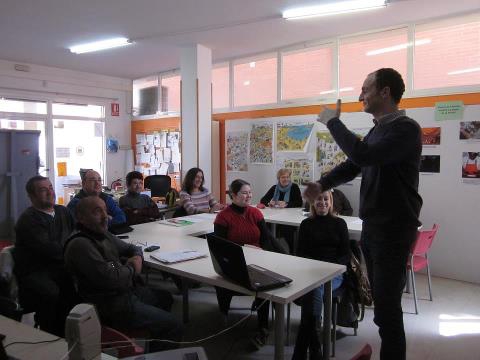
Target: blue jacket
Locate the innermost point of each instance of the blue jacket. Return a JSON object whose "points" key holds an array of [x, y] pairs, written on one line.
{"points": [[118, 216]]}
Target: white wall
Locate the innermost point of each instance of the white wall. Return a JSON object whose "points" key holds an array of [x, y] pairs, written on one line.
{"points": [[449, 202], [47, 83]]}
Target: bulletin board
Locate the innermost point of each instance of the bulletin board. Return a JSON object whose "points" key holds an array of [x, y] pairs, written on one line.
{"points": [[157, 148]]}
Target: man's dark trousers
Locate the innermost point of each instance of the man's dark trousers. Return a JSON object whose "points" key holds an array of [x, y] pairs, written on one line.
{"points": [[386, 250]]}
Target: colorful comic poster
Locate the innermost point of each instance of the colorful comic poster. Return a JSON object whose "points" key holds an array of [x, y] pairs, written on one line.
{"points": [[261, 144], [431, 135], [237, 151], [328, 153], [301, 166], [470, 130], [293, 136]]}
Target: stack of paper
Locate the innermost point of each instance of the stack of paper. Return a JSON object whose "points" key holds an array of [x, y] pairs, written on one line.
{"points": [[177, 256]]}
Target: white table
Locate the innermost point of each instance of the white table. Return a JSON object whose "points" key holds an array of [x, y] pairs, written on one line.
{"points": [[16, 331], [306, 274]]}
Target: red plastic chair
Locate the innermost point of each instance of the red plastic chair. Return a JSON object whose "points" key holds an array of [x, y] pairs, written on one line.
{"points": [[364, 354], [418, 259], [122, 345]]}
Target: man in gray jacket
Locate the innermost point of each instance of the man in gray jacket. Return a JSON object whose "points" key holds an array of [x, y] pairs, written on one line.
{"points": [[93, 255]]}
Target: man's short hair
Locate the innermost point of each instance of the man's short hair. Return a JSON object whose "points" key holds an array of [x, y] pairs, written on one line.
{"points": [[30, 186], [390, 77], [83, 206], [133, 175]]}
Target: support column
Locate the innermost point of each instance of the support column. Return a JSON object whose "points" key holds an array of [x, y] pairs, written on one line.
{"points": [[196, 110]]}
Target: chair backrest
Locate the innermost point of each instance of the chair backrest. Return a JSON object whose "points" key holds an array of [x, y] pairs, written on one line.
{"points": [[123, 345], [159, 185], [364, 354], [8, 281], [424, 241]]}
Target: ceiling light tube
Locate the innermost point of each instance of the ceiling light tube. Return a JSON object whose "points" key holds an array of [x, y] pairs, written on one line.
{"points": [[100, 45], [398, 47], [463, 71], [333, 8]]}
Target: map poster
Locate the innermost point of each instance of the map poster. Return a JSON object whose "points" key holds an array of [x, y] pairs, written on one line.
{"points": [[261, 144], [301, 166], [328, 153], [292, 136], [237, 151]]}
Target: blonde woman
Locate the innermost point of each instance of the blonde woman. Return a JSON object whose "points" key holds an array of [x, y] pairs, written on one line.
{"points": [[283, 194], [324, 237]]}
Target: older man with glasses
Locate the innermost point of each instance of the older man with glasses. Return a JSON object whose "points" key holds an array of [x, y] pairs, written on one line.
{"points": [[92, 186]]}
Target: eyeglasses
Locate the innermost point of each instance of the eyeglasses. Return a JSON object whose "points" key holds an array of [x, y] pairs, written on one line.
{"points": [[94, 180], [245, 192]]}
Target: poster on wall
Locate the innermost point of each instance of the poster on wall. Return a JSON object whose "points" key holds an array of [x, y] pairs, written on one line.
{"points": [[237, 151], [471, 167], [293, 136], [301, 166], [431, 135], [470, 130], [328, 153], [430, 163], [261, 144]]}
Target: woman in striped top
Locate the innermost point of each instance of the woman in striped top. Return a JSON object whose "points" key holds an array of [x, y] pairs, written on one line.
{"points": [[194, 197]]}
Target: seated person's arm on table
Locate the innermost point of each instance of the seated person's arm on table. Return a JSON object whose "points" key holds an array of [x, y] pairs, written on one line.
{"points": [[188, 205], [86, 262], [118, 216], [268, 196]]}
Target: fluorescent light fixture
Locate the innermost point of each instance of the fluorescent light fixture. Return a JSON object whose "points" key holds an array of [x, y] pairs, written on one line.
{"points": [[398, 47], [252, 64], [332, 91], [100, 45], [333, 8], [463, 71], [246, 83]]}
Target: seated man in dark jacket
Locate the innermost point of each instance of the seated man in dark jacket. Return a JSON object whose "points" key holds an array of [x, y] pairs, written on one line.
{"points": [[139, 208], [92, 254], [92, 186], [41, 231]]}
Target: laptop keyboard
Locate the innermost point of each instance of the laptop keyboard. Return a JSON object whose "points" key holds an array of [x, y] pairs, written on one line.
{"points": [[256, 276]]}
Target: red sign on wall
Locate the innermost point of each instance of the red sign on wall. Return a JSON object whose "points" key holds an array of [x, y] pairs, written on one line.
{"points": [[115, 109]]}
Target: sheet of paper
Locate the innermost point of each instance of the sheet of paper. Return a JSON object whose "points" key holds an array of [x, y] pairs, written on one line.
{"points": [[167, 155], [156, 140], [141, 139], [163, 169], [149, 139], [176, 156], [163, 139]]}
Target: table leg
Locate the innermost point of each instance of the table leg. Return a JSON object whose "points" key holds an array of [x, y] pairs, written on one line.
{"points": [[185, 300], [279, 331], [274, 230], [327, 319]]}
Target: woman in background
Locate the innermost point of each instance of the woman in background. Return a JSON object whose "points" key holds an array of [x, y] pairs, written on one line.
{"points": [[322, 237], [284, 194], [194, 197], [243, 224]]}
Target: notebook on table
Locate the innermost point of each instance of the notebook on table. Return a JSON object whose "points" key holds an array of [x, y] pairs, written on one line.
{"points": [[172, 257], [229, 262]]}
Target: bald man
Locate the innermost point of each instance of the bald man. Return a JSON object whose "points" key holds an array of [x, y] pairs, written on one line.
{"points": [[92, 186], [92, 255]]}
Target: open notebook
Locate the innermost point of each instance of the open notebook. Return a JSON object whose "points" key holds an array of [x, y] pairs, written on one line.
{"points": [[171, 257]]}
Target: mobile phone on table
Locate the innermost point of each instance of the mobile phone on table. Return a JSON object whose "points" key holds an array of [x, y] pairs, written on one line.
{"points": [[151, 248], [122, 236]]}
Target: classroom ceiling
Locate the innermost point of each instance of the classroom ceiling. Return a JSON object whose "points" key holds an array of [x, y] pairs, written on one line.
{"points": [[39, 32]]}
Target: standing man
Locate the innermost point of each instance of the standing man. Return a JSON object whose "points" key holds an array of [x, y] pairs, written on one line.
{"points": [[92, 186], [388, 158], [44, 284]]}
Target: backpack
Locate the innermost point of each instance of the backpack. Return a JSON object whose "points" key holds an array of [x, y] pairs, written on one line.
{"points": [[356, 295]]}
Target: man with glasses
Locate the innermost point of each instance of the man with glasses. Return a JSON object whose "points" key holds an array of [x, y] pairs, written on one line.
{"points": [[92, 186], [41, 231]]}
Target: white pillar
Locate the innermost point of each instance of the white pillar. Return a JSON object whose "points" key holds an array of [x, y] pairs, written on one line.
{"points": [[196, 112]]}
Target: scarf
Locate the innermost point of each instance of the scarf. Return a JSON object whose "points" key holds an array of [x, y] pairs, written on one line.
{"points": [[279, 188]]}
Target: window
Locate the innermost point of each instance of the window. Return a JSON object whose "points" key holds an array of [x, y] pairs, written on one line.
{"points": [[145, 96], [361, 55], [90, 111], [452, 56], [255, 81], [307, 73], [23, 106], [221, 87], [171, 93]]}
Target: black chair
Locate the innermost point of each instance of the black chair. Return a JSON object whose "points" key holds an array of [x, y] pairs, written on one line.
{"points": [[159, 185]]}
